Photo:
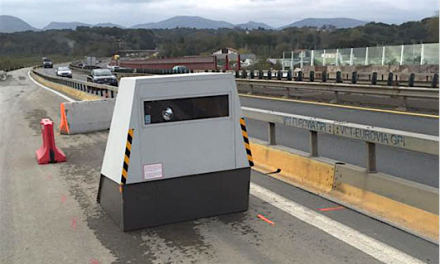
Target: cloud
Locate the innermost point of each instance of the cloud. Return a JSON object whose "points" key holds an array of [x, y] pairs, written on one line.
{"points": [[138, 1]]}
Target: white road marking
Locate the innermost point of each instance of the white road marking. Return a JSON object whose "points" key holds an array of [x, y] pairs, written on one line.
{"points": [[47, 88], [364, 243]]}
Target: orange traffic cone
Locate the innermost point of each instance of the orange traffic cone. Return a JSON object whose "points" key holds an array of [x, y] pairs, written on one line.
{"points": [[64, 126]]}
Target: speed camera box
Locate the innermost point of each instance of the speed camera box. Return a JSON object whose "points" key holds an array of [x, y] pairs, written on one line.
{"points": [[177, 150]]}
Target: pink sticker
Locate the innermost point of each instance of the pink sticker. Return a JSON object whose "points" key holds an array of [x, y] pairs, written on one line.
{"points": [[63, 198], [152, 171], [73, 223]]}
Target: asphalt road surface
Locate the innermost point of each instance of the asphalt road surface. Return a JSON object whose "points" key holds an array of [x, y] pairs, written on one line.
{"points": [[49, 214]]}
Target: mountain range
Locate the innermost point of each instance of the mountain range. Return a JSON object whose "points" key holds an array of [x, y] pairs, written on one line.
{"points": [[9, 24], [320, 22]]}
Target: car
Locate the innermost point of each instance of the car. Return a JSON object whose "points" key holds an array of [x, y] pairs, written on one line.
{"points": [[113, 67], [102, 76], [47, 63], [64, 72], [180, 69]]}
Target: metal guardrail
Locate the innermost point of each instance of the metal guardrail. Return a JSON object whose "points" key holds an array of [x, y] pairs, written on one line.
{"points": [[284, 87], [370, 135], [429, 80], [105, 91]]}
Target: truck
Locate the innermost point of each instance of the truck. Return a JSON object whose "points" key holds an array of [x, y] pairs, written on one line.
{"points": [[90, 62]]}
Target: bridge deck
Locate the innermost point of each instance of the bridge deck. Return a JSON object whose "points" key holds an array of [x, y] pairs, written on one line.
{"points": [[49, 213]]}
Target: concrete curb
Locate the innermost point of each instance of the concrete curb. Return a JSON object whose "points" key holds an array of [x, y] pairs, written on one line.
{"points": [[406, 205]]}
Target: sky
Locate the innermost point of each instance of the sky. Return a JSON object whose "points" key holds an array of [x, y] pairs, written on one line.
{"points": [[275, 13]]}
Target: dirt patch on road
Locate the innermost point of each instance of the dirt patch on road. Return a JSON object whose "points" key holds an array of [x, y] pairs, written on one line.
{"points": [[34, 118]]}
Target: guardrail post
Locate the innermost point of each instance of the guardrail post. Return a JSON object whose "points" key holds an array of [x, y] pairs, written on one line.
{"points": [[338, 77], [405, 102], [412, 77], [287, 95], [243, 74], [312, 76], [252, 89], [324, 76], [313, 143], [260, 74], [269, 75], [279, 75], [289, 75], [374, 78], [390, 79], [371, 157], [336, 97], [434, 81], [354, 77], [271, 132], [300, 76]]}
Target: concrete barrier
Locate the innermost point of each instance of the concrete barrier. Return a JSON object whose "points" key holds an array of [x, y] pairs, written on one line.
{"points": [[404, 204], [88, 116], [311, 174]]}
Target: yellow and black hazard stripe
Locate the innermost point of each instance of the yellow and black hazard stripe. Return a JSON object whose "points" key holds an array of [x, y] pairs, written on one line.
{"points": [[126, 158], [246, 142]]}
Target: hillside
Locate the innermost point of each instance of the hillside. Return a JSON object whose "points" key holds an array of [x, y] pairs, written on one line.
{"points": [[9, 24], [65, 25], [253, 25], [320, 22], [108, 24], [186, 22]]}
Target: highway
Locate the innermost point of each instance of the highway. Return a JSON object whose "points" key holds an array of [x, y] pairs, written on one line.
{"points": [[397, 162], [49, 214]]}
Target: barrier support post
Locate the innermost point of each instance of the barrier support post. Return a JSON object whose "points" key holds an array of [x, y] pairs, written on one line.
{"points": [[272, 137], [371, 157], [313, 143]]}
